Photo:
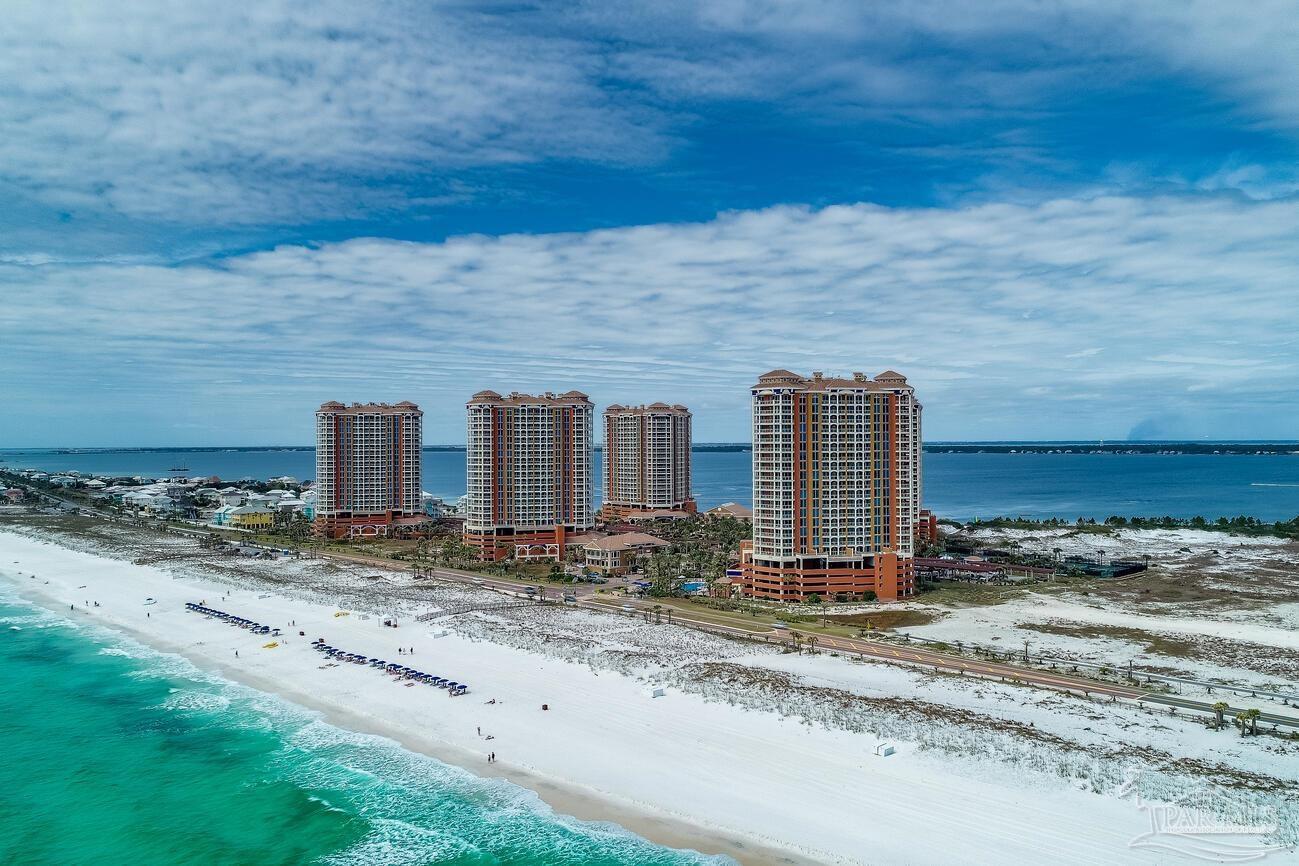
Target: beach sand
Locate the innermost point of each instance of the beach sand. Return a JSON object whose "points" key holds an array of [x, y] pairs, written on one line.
{"points": [[679, 770]]}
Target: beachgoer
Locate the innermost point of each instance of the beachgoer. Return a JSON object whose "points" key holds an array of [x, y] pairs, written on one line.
{"points": [[480, 732], [493, 757], [236, 653]]}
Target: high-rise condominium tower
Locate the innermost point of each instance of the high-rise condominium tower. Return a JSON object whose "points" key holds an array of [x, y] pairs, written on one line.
{"points": [[646, 460], [528, 469], [367, 468], [836, 487]]}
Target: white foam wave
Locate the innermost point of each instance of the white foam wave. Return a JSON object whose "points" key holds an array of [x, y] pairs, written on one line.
{"points": [[188, 700]]}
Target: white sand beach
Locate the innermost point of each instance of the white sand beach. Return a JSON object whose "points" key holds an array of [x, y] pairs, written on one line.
{"points": [[682, 769]]}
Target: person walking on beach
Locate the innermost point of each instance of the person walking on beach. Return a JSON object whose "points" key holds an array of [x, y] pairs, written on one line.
{"points": [[480, 732]]}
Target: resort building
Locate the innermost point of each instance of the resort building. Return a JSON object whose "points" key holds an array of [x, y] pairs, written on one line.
{"points": [[528, 473], [618, 554], [646, 461], [367, 468], [836, 487], [731, 509]]}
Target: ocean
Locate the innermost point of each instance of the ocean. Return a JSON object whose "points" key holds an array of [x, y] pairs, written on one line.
{"points": [[118, 754], [956, 485]]}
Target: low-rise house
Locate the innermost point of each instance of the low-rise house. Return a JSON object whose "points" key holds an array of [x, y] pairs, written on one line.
{"points": [[619, 554], [432, 505], [251, 517], [13, 494], [232, 496], [221, 517], [162, 504]]}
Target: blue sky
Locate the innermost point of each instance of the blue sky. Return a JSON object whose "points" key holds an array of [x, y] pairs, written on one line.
{"points": [[1059, 219]]}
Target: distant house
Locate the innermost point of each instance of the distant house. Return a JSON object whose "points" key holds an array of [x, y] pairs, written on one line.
{"points": [[252, 517], [731, 509], [618, 554], [232, 496], [221, 517], [13, 494], [432, 505], [64, 481], [96, 484], [162, 504]]}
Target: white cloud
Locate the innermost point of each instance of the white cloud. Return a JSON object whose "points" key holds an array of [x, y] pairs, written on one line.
{"points": [[1003, 315], [221, 113], [210, 113]]}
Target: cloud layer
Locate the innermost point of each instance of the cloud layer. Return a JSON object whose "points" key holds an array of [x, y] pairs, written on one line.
{"points": [[218, 114], [1069, 318], [226, 113]]}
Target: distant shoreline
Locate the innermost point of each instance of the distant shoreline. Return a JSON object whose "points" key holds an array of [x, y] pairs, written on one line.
{"points": [[1279, 447]]}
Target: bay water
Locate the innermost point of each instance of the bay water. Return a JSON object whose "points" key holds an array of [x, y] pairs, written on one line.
{"points": [[961, 486]]}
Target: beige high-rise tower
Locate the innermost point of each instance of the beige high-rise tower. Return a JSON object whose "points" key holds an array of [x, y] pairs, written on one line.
{"points": [[367, 468], [528, 473], [646, 460], [836, 487]]}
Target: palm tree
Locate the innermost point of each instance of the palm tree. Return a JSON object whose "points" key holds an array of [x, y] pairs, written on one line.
{"points": [[811, 644], [1241, 723], [1218, 709], [1251, 715]]}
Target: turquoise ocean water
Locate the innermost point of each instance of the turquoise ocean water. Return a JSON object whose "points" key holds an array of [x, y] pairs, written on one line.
{"points": [[117, 754]]}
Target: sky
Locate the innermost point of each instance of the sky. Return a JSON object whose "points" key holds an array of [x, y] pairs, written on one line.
{"points": [[1060, 220]]}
